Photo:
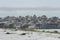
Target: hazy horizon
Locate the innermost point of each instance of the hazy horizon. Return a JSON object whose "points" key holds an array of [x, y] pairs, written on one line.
{"points": [[49, 7], [4, 13]]}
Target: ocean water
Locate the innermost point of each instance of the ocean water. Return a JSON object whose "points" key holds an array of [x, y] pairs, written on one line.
{"points": [[48, 13]]}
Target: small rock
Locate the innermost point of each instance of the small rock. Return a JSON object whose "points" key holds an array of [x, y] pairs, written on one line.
{"points": [[29, 36], [8, 33], [23, 34], [58, 37]]}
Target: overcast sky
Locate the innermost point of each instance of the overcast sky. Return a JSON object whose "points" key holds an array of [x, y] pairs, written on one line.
{"points": [[29, 4]]}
